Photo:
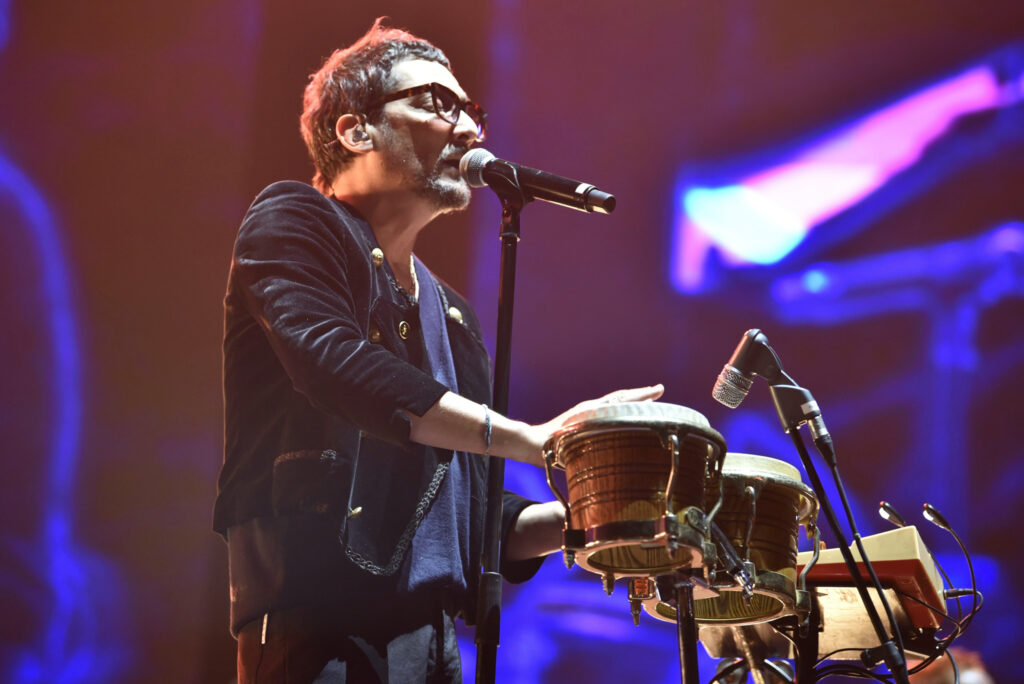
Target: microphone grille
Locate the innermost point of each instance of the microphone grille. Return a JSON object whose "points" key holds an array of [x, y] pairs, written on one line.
{"points": [[471, 166], [731, 387]]}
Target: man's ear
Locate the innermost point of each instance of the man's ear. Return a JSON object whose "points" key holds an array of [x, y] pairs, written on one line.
{"points": [[351, 132]]}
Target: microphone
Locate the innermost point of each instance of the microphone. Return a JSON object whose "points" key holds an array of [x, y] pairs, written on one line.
{"points": [[887, 512], [479, 168], [794, 404], [752, 357], [932, 515]]}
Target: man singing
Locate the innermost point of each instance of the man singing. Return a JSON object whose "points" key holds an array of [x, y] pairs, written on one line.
{"points": [[356, 385]]}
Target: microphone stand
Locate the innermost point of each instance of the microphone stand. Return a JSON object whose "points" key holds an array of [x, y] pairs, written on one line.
{"points": [[791, 402], [489, 594]]}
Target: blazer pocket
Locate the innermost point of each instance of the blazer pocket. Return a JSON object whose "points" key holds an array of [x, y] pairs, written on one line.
{"points": [[311, 482]]}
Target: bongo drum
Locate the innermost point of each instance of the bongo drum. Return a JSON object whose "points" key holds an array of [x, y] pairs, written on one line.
{"points": [[636, 476], [760, 504]]}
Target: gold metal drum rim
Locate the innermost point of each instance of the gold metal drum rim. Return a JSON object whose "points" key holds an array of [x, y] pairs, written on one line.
{"points": [[666, 612], [773, 471], [770, 585], [648, 535], [591, 557], [772, 588]]}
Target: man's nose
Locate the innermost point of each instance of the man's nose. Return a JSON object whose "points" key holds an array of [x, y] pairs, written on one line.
{"points": [[465, 131]]}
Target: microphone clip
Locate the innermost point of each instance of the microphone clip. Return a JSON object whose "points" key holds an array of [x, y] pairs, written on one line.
{"points": [[796, 406], [503, 179]]}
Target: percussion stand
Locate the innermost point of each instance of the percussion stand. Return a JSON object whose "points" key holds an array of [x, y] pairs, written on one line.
{"points": [[686, 627], [793, 404], [806, 643], [489, 595]]}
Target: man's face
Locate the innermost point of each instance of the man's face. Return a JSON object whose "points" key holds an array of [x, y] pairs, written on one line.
{"points": [[421, 148]]}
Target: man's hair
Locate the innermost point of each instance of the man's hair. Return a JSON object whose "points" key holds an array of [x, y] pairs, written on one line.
{"points": [[347, 83]]}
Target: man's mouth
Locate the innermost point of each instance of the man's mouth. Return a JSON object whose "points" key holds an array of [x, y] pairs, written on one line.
{"points": [[451, 165], [454, 158]]}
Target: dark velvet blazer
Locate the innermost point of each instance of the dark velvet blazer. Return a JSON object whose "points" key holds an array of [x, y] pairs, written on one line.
{"points": [[323, 357]]}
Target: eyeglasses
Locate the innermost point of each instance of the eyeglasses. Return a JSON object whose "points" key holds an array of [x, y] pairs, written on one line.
{"points": [[447, 105]]}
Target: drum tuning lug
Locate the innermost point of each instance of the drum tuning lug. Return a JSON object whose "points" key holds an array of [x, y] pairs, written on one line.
{"points": [[569, 558], [671, 527], [634, 609], [608, 580], [641, 588], [710, 553]]}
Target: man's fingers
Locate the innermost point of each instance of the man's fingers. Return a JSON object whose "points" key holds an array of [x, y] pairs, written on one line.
{"points": [[635, 394]]}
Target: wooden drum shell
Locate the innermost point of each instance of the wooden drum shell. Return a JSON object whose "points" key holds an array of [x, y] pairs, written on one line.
{"points": [[780, 505], [617, 470]]}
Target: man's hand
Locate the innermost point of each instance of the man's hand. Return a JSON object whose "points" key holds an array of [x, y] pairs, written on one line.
{"points": [[537, 532], [539, 434]]}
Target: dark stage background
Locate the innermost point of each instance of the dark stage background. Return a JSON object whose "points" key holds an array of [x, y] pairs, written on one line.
{"points": [[133, 136]]}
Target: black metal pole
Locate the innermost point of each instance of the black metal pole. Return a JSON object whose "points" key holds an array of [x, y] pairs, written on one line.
{"points": [[488, 627], [807, 643], [686, 629], [893, 657]]}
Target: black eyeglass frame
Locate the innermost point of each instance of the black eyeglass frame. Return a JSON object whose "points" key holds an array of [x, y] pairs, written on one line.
{"points": [[437, 91]]}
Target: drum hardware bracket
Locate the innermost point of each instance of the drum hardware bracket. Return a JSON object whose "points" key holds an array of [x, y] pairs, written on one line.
{"points": [[747, 580], [751, 493], [673, 443], [572, 539], [670, 523], [743, 572], [710, 561], [549, 464], [608, 582], [710, 518], [816, 554], [569, 558], [640, 589], [695, 518], [802, 607]]}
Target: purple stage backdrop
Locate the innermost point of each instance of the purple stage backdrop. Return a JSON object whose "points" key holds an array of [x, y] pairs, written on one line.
{"points": [[848, 177]]}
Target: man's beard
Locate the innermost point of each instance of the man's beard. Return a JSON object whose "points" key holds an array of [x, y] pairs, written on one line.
{"points": [[449, 194]]}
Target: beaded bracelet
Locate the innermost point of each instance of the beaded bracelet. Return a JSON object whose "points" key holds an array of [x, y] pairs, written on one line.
{"points": [[487, 430]]}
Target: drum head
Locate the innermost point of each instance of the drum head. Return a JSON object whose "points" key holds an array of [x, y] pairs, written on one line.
{"points": [[752, 464], [630, 415], [739, 467]]}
